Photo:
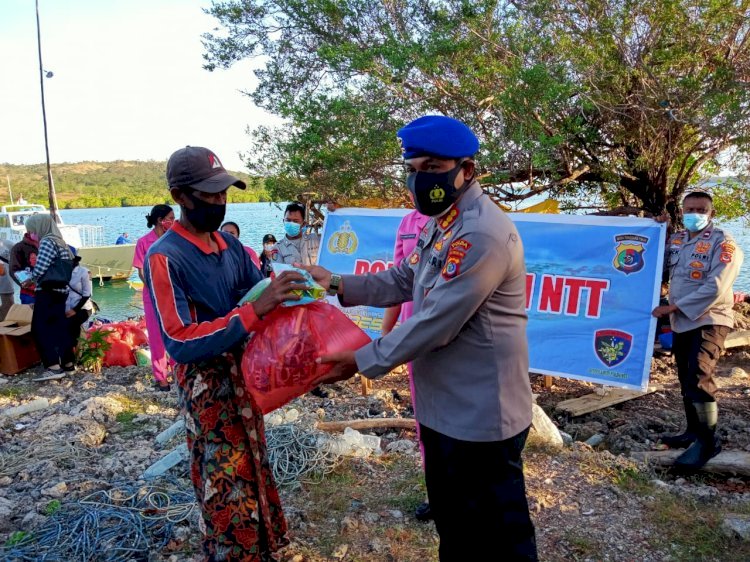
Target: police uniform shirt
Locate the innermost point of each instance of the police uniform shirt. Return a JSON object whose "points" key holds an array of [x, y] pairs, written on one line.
{"points": [[302, 250], [701, 274], [467, 337]]}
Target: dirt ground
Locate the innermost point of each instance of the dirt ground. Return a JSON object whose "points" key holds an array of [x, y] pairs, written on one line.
{"points": [[97, 431]]}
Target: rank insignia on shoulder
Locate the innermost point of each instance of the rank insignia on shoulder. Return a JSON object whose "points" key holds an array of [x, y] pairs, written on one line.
{"points": [[725, 257], [727, 247], [414, 258], [707, 234], [449, 219]]}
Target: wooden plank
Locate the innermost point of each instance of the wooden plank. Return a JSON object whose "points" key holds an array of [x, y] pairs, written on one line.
{"points": [[366, 385], [726, 462], [374, 423], [737, 339], [592, 402], [547, 381]]}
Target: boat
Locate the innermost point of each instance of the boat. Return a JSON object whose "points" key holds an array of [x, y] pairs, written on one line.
{"points": [[134, 281], [105, 262]]}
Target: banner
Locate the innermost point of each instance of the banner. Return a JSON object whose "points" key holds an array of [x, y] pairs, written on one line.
{"points": [[360, 241], [591, 283]]}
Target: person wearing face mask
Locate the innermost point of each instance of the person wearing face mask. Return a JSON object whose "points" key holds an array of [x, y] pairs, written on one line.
{"points": [[159, 220], [702, 262], [467, 343], [23, 256], [197, 276], [297, 246], [266, 258]]}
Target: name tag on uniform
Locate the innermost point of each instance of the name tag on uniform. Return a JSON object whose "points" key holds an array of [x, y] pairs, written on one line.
{"points": [[407, 236]]}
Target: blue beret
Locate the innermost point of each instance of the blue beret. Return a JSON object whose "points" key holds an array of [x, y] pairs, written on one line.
{"points": [[437, 135]]}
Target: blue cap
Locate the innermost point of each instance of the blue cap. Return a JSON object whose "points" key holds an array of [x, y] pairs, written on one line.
{"points": [[437, 135]]}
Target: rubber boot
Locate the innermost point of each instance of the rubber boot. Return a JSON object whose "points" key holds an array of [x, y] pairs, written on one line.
{"points": [[686, 438], [707, 445]]}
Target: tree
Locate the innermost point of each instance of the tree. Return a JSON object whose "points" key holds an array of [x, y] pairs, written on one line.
{"points": [[599, 103]]}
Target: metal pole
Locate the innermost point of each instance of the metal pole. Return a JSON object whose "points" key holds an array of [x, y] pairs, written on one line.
{"points": [[50, 182], [10, 192]]}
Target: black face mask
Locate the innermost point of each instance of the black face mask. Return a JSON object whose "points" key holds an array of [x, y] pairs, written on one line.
{"points": [[205, 217], [433, 193]]}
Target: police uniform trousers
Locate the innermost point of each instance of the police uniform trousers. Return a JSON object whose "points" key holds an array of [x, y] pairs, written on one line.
{"points": [[696, 353], [478, 498]]}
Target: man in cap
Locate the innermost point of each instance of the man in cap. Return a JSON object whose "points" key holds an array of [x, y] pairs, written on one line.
{"points": [[196, 276], [703, 262], [467, 343]]}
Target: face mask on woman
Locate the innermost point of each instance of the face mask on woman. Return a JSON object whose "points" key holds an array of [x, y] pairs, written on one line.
{"points": [[166, 224], [268, 247]]}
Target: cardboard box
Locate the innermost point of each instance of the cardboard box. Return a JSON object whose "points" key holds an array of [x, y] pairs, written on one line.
{"points": [[17, 348]]}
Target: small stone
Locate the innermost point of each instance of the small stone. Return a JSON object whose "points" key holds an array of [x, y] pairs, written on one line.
{"points": [[548, 481], [297, 558], [370, 518], [321, 413], [291, 415], [400, 446], [739, 373], [349, 523], [340, 551], [566, 437], [659, 483], [6, 481], [736, 525], [377, 546], [680, 482], [56, 491], [595, 440]]}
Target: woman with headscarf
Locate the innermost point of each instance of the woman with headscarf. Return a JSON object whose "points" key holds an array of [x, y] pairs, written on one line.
{"points": [[48, 323], [159, 220]]}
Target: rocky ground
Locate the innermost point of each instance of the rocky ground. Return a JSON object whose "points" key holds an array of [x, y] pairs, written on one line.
{"points": [[96, 432]]}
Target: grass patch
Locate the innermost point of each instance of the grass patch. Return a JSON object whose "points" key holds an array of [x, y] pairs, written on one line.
{"points": [[635, 481], [694, 528], [582, 546], [126, 420], [18, 537], [52, 507], [14, 392]]}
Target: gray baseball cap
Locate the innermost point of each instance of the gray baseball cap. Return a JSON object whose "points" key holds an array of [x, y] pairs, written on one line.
{"points": [[201, 169]]}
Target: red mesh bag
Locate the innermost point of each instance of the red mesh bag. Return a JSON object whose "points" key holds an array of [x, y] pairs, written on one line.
{"points": [[118, 355], [279, 361]]}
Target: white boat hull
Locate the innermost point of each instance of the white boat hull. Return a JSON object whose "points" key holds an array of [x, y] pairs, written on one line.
{"points": [[108, 262]]}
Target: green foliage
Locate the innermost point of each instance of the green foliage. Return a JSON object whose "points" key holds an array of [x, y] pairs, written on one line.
{"points": [[92, 348], [106, 184], [598, 103], [732, 199], [52, 507], [18, 537]]}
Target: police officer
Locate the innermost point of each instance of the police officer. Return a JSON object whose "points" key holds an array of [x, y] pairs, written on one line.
{"points": [[703, 262], [467, 343], [297, 246]]}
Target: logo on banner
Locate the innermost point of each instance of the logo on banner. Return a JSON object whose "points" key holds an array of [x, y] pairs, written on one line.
{"points": [[612, 346], [629, 253], [343, 241]]}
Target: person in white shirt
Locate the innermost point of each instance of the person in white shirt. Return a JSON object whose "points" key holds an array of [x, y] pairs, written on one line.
{"points": [[79, 306]]}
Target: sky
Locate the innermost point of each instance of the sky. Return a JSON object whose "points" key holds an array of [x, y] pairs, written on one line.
{"points": [[128, 83]]}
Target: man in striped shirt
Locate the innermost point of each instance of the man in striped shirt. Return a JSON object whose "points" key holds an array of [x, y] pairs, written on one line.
{"points": [[196, 276]]}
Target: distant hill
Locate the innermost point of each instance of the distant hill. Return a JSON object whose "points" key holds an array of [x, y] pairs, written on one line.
{"points": [[122, 183]]}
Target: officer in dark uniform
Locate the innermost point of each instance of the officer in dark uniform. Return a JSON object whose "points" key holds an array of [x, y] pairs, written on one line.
{"points": [[467, 343], [703, 263]]}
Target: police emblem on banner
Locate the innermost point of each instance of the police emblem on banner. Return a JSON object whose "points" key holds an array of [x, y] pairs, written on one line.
{"points": [[629, 253], [612, 347], [343, 241]]}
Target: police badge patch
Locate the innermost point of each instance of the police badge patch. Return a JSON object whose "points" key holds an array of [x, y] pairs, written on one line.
{"points": [[612, 347], [629, 253]]}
